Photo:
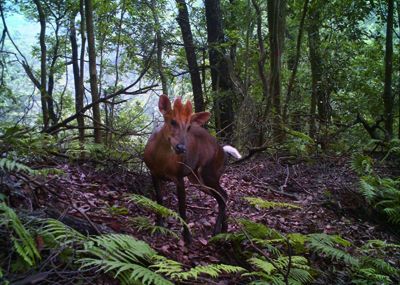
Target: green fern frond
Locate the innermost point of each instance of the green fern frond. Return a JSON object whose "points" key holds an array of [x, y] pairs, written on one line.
{"points": [[123, 255], [361, 164], [23, 242], [325, 244], [370, 276], [128, 273], [212, 270], [304, 137], [299, 270], [379, 244], [297, 241], [165, 266], [367, 190], [260, 231], [10, 165], [267, 245], [61, 233], [297, 261], [145, 224], [264, 204], [393, 214], [300, 276], [157, 208], [263, 265], [379, 265]]}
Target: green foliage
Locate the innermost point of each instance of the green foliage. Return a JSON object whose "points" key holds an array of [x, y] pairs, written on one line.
{"points": [[298, 142], [212, 270], [61, 233], [116, 210], [383, 194], [123, 255], [360, 264], [145, 224], [362, 164], [326, 245], [10, 165], [22, 240], [25, 144], [264, 204], [157, 208], [175, 270], [393, 148]]}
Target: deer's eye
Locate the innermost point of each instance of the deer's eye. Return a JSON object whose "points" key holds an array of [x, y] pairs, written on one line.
{"points": [[174, 123]]}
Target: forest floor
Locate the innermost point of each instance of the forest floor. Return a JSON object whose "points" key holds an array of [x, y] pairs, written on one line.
{"points": [[325, 189]]}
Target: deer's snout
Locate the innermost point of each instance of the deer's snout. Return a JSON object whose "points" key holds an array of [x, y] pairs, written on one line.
{"points": [[180, 148]]}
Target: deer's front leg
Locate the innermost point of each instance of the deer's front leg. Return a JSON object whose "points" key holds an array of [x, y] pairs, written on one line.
{"points": [[180, 185], [158, 186]]}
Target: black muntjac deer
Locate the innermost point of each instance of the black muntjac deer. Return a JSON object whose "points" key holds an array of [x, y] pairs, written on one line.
{"points": [[183, 148]]}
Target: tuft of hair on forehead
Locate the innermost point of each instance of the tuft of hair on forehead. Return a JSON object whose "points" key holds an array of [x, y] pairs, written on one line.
{"points": [[188, 108], [181, 110], [178, 106]]}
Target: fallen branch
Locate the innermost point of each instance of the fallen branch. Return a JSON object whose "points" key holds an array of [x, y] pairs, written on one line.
{"points": [[54, 129]]}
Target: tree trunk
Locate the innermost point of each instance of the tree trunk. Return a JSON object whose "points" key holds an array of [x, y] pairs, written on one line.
{"points": [[296, 62], [50, 102], [398, 89], [262, 53], [220, 70], [276, 24], [160, 45], [184, 23], [79, 103], [43, 71], [92, 70], [75, 68], [388, 98]]}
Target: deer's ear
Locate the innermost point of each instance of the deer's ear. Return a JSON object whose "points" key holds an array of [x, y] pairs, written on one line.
{"points": [[164, 105], [200, 118]]}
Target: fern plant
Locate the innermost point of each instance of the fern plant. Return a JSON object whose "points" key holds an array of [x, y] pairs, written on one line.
{"points": [[157, 208], [133, 261], [123, 255], [22, 240], [61, 233], [361, 164], [365, 265], [145, 224], [264, 204], [383, 194], [176, 271], [11, 165]]}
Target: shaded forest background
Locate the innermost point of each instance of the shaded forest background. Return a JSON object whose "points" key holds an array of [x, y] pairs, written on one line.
{"points": [[304, 81]]}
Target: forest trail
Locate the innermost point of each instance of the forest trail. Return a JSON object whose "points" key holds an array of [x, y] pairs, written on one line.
{"points": [[324, 189]]}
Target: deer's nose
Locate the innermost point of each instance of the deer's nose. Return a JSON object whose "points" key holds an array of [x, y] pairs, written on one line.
{"points": [[180, 148]]}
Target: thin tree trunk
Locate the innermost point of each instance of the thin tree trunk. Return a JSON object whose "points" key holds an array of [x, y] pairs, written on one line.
{"points": [[78, 90], [184, 23], [398, 88], [92, 70], [296, 62], [160, 45], [117, 54], [220, 71], [388, 98], [316, 71], [276, 23], [43, 71], [262, 52], [50, 88], [81, 93]]}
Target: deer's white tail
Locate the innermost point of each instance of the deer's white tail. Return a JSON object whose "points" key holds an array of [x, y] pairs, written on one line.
{"points": [[232, 151]]}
